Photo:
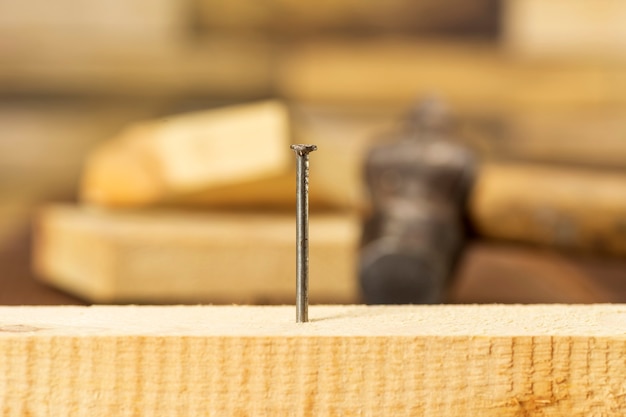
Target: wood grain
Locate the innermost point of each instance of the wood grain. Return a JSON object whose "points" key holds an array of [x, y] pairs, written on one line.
{"points": [[190, 257], [352, 360]]}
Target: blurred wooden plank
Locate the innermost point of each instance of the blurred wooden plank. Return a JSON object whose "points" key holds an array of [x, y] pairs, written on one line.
{"points": [[584, 136], [24, 22], [233, 156], [218, 67], [558, 29], [505, 273], [187, 153], [555, 206], [467, 75], [284, 17], [190, 257]]}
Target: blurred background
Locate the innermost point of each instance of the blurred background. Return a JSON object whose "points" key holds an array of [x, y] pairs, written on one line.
{"points": [[471, 151]]}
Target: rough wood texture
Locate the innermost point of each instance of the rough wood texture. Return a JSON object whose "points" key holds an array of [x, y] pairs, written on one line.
{"points": [[353, 360], [565, 28], [187, 257], [564, 207]]}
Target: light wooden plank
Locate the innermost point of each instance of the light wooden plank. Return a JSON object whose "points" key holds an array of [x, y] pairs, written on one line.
{"points": [[187, 257], [503, 361], [186, 153], [226, 157]]}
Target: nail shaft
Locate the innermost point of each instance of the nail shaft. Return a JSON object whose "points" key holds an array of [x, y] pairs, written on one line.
{"points": [[302, 231]]}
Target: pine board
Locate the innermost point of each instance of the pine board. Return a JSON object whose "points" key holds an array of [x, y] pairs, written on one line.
{"points": [[175, 256], [539, 360]]}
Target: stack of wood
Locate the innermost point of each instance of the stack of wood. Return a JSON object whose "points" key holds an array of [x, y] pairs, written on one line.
{"points": [[200, 207]]}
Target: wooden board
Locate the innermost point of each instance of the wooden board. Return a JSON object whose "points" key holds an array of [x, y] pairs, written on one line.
{"points": [[578, 136], [565, 29], [236, 156], [469, 74], [183, 154], [494, 360], [558, 206], [218, 68], [190, 257]]}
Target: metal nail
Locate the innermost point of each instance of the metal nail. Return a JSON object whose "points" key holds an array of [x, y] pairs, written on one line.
{"points": [[302, 231]]}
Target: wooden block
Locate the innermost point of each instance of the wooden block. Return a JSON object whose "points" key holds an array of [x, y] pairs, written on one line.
{"points": [[468, 75], [564, 207], [187, 257], [230, 157], [505, 273], [565, 29], [151, 161], [494, 360]]}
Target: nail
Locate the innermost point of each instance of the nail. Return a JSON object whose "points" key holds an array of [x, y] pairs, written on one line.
{"points": [[302, 231]]}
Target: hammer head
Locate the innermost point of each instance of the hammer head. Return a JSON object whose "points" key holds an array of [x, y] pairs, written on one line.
{"points": [[418, 185]]}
